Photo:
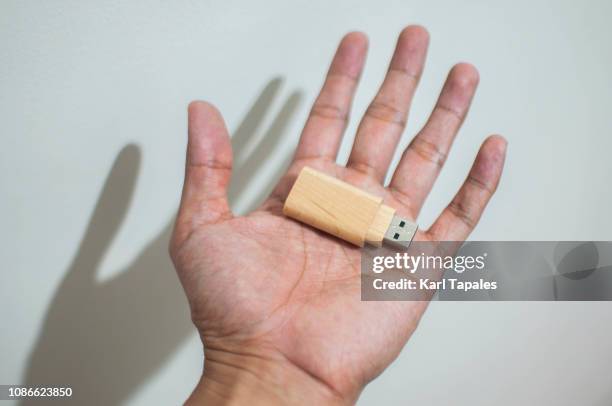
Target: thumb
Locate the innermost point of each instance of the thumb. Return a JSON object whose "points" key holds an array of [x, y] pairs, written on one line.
{"points": [[208, 170]]}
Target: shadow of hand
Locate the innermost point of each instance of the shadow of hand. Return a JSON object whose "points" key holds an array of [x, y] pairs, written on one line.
{"points": [[104, 339]]}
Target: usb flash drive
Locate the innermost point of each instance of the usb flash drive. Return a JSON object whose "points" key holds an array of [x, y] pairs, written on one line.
{"points": [[345, 211]]}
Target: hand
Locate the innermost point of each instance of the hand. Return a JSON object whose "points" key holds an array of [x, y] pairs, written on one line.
{"points": [[277, 303]]}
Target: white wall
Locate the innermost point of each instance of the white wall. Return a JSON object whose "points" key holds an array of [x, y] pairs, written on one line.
{"points": [[80, 82]]}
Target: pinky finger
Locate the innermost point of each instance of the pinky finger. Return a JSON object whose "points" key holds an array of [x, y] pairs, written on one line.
{"points": [[462, 214]]}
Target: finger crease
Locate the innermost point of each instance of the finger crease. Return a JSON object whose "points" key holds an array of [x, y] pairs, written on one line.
{"points": [[451, 111], [329, 111], [413, 77], [387, 113], [428, 150], [342, 76], [364, 168], [460, 211], [211, 164], [479, 184]]}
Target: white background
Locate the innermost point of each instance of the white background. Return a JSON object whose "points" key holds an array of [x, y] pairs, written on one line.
{"points": [[80, 82]]}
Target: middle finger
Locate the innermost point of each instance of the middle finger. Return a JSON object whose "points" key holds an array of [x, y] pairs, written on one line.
{"points": [[385, 119]]}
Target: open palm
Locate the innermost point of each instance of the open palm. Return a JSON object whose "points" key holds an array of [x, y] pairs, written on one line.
{"points": [[280, 300]]}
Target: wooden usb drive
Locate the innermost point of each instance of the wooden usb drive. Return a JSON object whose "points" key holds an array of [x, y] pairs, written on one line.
{"points": [[345, 211]]}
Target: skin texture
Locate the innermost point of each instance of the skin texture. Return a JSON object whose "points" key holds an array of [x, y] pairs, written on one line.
{"points": [[277, 303]]}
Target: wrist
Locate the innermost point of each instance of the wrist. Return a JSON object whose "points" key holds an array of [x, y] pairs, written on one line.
{"points": [[254, 379]]}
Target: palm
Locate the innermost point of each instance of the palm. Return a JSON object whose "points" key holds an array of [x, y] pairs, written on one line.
{"points": [[267, 279]]}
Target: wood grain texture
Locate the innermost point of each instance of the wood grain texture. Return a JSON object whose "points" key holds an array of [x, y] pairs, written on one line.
{"points": [[379, 225], [336, 207]]}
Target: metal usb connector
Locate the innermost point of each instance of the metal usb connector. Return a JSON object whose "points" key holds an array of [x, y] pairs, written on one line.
{"points": [[400, 232]]}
